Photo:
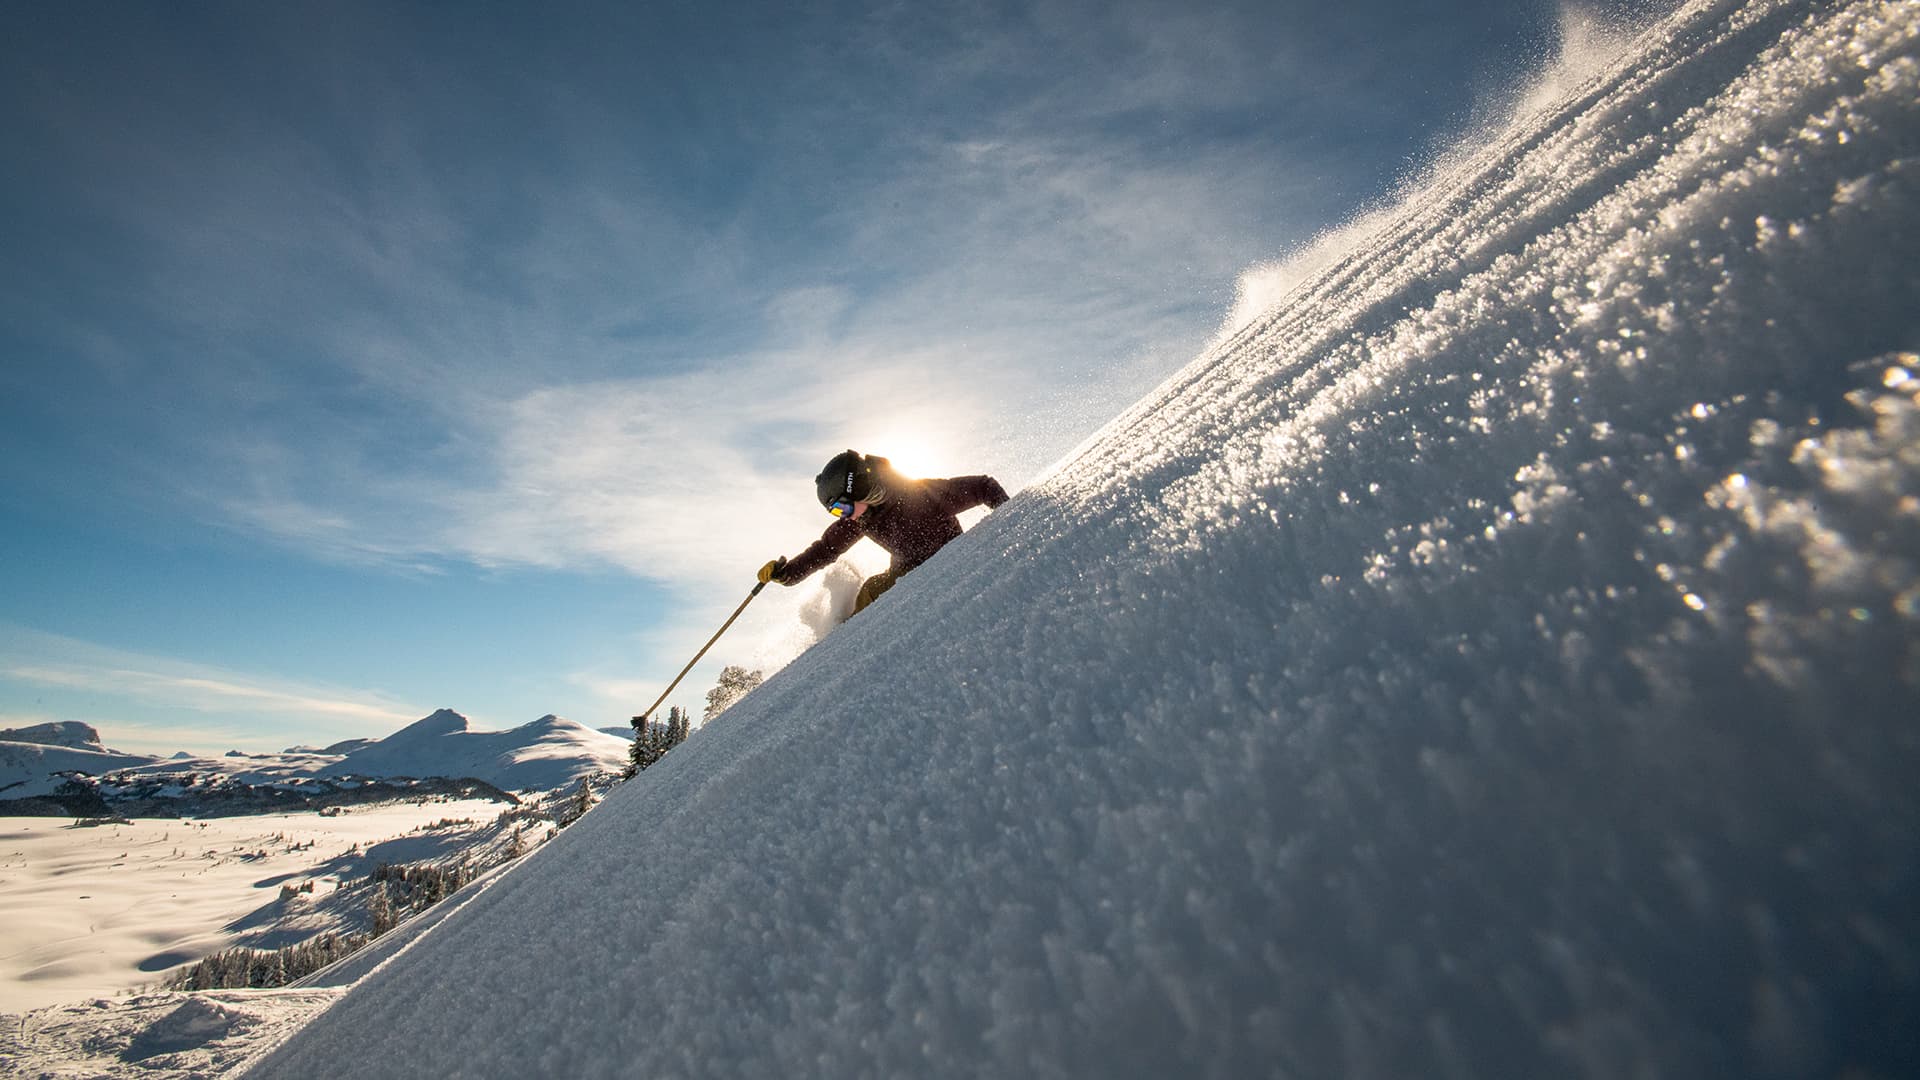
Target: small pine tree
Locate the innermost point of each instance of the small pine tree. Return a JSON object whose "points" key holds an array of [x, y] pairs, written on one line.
{"points": [[583, 801], [382, 911]]}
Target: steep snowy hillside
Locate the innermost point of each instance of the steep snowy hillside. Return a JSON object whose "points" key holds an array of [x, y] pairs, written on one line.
{"points": [[541, 755], [1499, 660]]}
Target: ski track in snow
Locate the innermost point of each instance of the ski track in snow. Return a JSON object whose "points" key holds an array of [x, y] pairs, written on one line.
{"points": [[1499, 660]]}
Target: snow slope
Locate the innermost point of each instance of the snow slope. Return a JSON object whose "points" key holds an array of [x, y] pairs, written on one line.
{"points": [[1498, 660], [547, 753]]}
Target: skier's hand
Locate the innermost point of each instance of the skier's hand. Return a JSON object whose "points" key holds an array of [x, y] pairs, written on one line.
{"points": [[769, 571]]}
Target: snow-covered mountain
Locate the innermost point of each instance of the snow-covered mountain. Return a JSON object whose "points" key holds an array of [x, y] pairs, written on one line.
{"points": [[36, 760], [33, 769], [541, 755], [68, 733], [1499, 659]]}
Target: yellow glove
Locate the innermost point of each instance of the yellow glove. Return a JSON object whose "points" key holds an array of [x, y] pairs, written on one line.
{"points": [[768, 571]]}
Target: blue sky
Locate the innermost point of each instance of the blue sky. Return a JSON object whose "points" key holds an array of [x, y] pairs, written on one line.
{"points": [[359, 360]]}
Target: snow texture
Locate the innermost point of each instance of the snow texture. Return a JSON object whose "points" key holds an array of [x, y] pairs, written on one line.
{"points": [[1498, 659], [157, 1036]]}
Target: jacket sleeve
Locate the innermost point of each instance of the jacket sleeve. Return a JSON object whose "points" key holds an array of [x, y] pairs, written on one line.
{"points": [[833, 543], [967, 492]]}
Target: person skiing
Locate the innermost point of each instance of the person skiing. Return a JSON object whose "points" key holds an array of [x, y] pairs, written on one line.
{"points": [[911, 519]]}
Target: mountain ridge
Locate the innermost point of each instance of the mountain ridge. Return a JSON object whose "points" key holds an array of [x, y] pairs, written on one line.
{"points": [[540, 755], [68, 733]]}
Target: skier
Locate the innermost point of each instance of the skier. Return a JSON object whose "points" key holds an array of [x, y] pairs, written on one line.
{"points": [[911, 519]]}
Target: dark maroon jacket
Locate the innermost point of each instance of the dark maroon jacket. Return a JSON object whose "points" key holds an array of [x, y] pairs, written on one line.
{"points": [[916, 520]]}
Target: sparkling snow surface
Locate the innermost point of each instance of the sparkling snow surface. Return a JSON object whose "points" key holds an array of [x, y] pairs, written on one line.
{"points": [[1499, 660]]}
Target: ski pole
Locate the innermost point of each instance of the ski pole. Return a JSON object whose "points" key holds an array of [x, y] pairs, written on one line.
{"points": [[641, 720]]}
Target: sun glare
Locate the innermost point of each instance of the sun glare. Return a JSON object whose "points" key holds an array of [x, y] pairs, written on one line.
{"points": [[913, 455]]}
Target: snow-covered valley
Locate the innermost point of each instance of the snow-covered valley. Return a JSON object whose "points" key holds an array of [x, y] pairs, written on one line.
{"points": [[107, 903], [93, 911]]}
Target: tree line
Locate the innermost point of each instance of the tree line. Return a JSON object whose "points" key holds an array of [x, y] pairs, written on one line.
{"points": [[652, 741], [241, 967], [399, 890]]}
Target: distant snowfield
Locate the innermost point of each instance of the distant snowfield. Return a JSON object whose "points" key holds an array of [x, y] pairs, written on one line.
{"points": [[96, 911]]}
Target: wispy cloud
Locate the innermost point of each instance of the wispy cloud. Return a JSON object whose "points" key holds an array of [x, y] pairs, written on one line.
{"points": [[205, 694], [204, 737], [1001, 354], [267, 704]]}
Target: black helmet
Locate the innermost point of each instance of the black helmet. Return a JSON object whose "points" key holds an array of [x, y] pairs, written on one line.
{"points": [[847, 476]]}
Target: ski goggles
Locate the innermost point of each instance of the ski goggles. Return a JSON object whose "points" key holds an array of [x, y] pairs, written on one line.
{"points": [[841, 507]]}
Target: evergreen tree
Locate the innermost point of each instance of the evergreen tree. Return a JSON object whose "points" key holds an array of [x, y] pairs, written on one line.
{"points": [[735, 683], [652, 741], [644, 751], [241, 967], [382, 911], [583, 801]]}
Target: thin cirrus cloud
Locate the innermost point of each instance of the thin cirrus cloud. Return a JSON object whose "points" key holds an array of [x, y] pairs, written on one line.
{"points": [[678, 478], [133, 736], [59, 663]]}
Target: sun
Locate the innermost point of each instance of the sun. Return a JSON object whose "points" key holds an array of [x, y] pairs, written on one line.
{"points": [[912, 454]]}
